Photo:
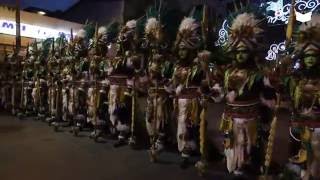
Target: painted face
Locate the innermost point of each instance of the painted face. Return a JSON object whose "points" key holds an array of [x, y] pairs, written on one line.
{"points": [[183, 53], [118, 47], [310, 59], [242, 55]]}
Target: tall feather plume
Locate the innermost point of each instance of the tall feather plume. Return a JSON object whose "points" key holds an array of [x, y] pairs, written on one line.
{"points": [[131, 24], [245, 26], [81, 33], [102, 30], [188, 24], [151, 25], [189, 35]]}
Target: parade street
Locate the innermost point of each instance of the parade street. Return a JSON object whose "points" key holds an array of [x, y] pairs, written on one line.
{"points": [[31, 150]]}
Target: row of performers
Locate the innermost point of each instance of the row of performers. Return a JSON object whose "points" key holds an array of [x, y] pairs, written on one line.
{"points": [[81, 83]]}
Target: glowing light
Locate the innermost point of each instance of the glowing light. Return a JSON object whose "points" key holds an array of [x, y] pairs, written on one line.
{"points": [[280, 13], [303, 17], [296, 65], [303, 9], [42, 13], [223, 34], [274, 50]]}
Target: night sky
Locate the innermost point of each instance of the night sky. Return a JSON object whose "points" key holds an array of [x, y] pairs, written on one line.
{"points": [[51, 5]]}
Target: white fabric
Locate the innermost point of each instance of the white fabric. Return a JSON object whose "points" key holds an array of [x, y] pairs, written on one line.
{"points": [[64, 104], [34, 95], [220, 92], [25, 97], [179, 89], [229, 153], [236, 155], [122, 127], [113, 100], [90, 102], [71, 101], [53, 100], [182, 125], [155, 123]]}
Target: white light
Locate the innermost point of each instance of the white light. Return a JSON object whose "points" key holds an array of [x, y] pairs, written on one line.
{"points": [[282, 12], [274, 50], [223, 34], [41, 12], [303, 17], [28, 30]]}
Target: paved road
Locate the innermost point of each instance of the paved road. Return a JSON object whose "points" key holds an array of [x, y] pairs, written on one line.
{"points": [[30, 150]]}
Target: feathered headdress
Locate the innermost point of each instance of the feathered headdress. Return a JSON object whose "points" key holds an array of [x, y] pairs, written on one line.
{"points": [[103, 36], [93, 42], [82, 38], [245, 30], [86, 33], [128, 31], [81, 34], [153, 29], [189, 34]]}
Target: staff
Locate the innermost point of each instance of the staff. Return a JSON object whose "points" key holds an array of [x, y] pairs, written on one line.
{"points": [[269, 150], [132, 138]]}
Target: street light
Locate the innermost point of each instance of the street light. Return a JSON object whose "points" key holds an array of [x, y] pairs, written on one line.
{"points": [[42, 13]]}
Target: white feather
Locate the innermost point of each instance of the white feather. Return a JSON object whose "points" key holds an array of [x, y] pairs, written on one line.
{"points": [[81, 33], [123, 127], [102, 30], [188, 24], [39, 46], [151, 24], [90, 92], [131, 24], [246, 19]]}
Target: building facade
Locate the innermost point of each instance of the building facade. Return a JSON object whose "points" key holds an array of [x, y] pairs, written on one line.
{"points": [[33, 27]]}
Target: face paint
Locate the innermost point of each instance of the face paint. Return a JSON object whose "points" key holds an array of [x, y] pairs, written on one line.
{"points": [[118, 47], [183, 53], [310, 60], [242, 56]]}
